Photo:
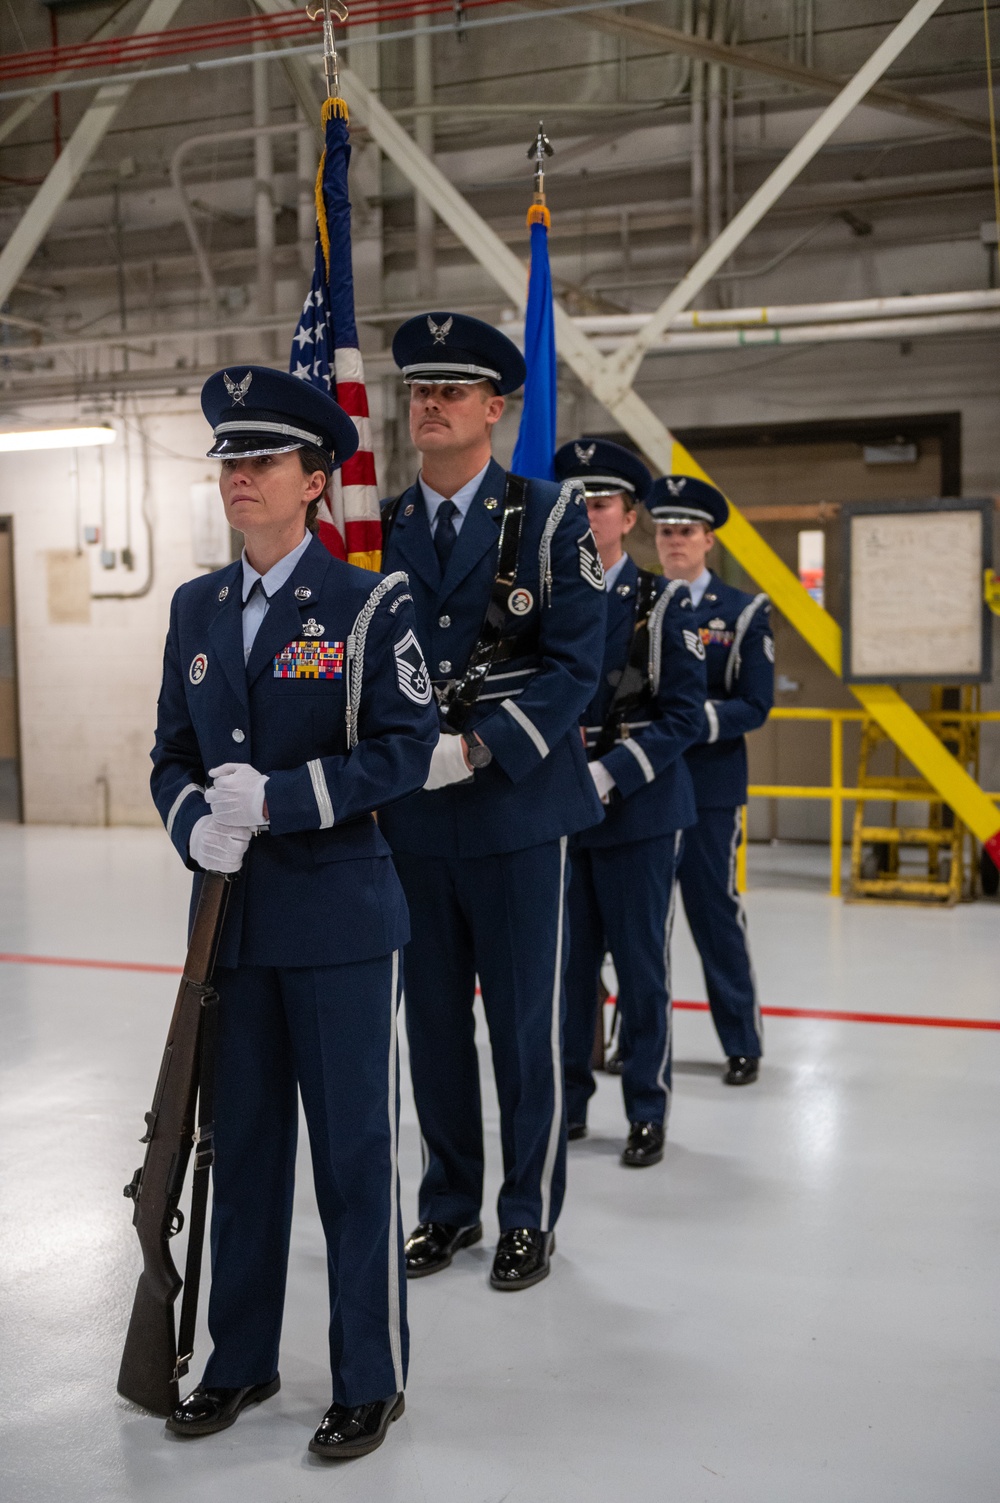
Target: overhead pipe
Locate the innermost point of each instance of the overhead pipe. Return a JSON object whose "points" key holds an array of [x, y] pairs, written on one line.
{"points": [[785, 315], [212, 138], [704, 341], [263, 198], [423, 134]]}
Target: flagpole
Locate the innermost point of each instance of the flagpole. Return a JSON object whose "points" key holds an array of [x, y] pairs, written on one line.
{"points": [[331, 62], [536, 439]]}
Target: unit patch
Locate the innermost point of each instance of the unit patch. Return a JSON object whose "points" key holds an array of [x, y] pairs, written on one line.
{"points": [[694, 644], [399, 600], [411, 670], [199, 667], [591, 568], [310, 660], [769, 649], [520, 601]]}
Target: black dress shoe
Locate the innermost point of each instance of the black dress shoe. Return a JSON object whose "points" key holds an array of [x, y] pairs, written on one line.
{"points": [[741, 1070], [644, 1146], [613, 1063], [206, 1410], [522, 1258], [576, 1131], [433, 1244], [345, 1432]]}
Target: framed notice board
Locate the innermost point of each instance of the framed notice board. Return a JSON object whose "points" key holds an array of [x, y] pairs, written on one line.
{"points": [[913, 594]]}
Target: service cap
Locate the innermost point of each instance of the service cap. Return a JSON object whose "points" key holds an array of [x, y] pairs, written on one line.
{"points": [[605, 468], [254, 410], [452, 348], [682, 498]]}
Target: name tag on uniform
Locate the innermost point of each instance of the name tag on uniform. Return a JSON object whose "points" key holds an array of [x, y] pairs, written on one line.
{"points": [[712, 636], [310, 660]]}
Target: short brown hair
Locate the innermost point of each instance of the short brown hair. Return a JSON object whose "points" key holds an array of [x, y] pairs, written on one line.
{"points": [[312, 460]]}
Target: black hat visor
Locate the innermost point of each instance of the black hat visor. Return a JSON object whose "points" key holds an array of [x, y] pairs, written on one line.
{"points": [[682, 515], [250, 438]]}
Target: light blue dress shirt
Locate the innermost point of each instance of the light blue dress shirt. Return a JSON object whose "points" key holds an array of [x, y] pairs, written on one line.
{"points": [[256, 609], [462, 499], [610, 575], [699, 586]]}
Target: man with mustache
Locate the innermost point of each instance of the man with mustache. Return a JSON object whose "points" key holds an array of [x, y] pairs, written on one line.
{"points": [[509, 599]]}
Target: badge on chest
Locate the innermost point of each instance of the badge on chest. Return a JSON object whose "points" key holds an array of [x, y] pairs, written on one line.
{"points": [[310, 660], [717, 634]]}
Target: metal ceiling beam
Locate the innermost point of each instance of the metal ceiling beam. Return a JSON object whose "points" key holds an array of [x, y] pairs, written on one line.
{"points": [[812, 79], [820, 629], [621, 371], [65, 172], [27, 107]]}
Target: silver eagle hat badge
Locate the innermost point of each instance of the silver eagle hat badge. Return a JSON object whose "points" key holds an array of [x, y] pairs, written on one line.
{"points": [[584, 455], [237, 389], [675, 486], [440, 331]]}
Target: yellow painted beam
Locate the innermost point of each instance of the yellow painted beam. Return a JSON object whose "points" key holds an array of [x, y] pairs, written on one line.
{"points": [[900, 723]]}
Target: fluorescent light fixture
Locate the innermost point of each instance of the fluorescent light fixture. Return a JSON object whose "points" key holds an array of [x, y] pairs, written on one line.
{"points": [[56, 438]]}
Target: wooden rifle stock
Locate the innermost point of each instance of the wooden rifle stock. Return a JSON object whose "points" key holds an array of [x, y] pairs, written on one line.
{"points": [[150, 1368]]}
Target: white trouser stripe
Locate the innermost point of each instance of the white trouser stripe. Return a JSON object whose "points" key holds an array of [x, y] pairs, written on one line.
{"points": [[712, 716], [661, 1078], [555, 1041], [528, 726], [321, 793], [395, 1343], [175, 806], [741, 919], [641, 758]]}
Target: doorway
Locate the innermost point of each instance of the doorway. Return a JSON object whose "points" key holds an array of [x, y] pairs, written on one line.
{"points": [[10, 741]]}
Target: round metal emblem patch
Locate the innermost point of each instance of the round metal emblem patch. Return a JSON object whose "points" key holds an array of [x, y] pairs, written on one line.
{"points": [[303, 592], [520, 601], [199, 667], [224, 593]]}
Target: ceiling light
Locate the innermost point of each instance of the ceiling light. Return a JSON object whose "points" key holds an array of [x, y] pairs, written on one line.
{"points": [[56, 438]]}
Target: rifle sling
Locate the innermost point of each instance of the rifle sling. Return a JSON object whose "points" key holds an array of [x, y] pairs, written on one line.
{"points": [[633, 686], [458, 697], [203, 1158]]}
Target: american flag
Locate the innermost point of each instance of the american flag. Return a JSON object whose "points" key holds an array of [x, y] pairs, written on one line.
{"points": [[325, 353]]}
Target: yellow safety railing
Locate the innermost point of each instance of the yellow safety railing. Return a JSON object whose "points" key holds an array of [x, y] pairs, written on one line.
{"points": [[835, 791]]}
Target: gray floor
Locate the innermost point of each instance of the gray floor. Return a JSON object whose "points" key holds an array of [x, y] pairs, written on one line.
{"points": [[798, 1306]]}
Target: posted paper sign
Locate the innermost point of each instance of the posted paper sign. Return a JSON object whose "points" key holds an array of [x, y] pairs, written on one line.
{"points": [[916, 595]]}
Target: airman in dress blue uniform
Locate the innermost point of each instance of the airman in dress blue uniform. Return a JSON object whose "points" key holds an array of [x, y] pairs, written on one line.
{"points": [[294, 703], [509, 598], [647, 710], [736, 630]]}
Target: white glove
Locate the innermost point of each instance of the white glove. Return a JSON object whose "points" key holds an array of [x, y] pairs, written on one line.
{"points": [[603, 781], [237, 796], [447, 764], [217, 847]]}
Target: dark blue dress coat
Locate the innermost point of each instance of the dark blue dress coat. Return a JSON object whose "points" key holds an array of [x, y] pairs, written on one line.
{"points": [[537, 788], [736, 631], [653, 793], [319, 887]]}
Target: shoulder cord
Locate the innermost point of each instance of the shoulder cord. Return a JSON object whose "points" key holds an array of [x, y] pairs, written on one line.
{"points": [[354, 658], [570, 488], [656, 616], [743, 620]]}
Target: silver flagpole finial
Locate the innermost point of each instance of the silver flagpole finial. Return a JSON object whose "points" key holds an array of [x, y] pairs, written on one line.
{"points": [[330, 10], [540, 148]]}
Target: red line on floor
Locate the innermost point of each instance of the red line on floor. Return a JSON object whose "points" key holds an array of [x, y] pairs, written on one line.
{"points": [[827, 1014], [92, 965]]}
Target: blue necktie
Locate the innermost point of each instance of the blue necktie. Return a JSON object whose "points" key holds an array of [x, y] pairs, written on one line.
{"points": [[444, 533]]}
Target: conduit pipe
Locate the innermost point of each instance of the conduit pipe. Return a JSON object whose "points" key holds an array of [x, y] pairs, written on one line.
{"points": [[783, 315], [211, 138], [700, 341]]}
